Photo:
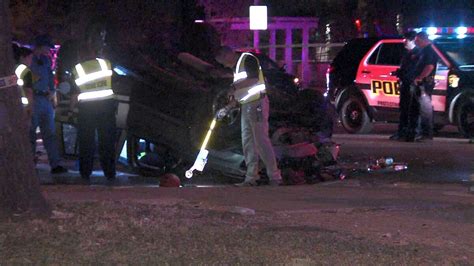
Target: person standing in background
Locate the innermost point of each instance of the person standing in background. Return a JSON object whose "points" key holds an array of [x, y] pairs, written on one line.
{"points": [[43, 102], [406, 76], [423, 86]]}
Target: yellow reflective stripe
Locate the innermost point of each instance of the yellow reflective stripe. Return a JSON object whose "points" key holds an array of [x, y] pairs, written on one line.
{"points": [[240, 75], [19, 70], [80, 70], [253, 91], [239, 62], [85, 78], [95, 94], [101, 84], [24, 100], [208, 135], [93, 76], [103, 64]]}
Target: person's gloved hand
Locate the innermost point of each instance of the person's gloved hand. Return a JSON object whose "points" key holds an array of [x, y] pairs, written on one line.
{"points": [[221, 113], [418, 81]]}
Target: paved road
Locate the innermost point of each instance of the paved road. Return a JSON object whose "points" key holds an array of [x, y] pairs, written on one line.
{"points": [[448, 158]]}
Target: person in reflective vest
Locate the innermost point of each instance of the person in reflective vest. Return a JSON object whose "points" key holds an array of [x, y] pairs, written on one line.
{"points": [[24, 57], [249, 90], [96, 105]]}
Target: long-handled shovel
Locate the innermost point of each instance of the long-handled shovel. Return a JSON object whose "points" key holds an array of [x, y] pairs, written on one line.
{"points": [[201, 158]]}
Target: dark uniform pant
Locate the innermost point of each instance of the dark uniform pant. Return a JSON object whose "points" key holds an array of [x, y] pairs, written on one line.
{"points": [[421, 112], [405, 98], [97, 116]]}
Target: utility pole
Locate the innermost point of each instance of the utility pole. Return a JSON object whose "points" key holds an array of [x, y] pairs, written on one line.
{"points": [[256, 33]]}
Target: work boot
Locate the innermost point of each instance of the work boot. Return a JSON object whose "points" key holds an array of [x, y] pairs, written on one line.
{"points": [[423, 138], [275, 182], [58, 170], [111, 180], [395, 136], [414, 137], [247, 183]]}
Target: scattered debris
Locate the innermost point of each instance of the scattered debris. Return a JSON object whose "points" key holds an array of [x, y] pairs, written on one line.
{"points": [[387, 164], [243, 210], [57, 215], [333, 172]]}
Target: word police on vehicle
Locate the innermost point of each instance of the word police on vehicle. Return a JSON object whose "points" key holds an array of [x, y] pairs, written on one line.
{"points": [[364, 89]]}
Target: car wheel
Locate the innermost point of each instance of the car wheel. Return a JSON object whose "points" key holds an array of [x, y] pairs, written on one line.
{"points": [[354, 116], [150, 159], [465, 119]]}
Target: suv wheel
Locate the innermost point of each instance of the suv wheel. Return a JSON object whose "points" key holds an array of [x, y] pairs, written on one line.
{"points": [[354, 116], [465, 119]]}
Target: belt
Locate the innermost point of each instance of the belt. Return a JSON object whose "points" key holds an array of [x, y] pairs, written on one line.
{"points": [[429, 79], [41, 93]]}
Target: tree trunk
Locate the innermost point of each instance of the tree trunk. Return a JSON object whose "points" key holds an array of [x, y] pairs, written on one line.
{"points": [[19, 185]]}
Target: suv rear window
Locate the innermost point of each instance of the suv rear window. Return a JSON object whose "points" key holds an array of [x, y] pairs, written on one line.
{"points": [[353, 52], [461, 51], [388, 54]]}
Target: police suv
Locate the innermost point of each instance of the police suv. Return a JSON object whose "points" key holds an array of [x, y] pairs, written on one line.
{"points": [[363, 87]]}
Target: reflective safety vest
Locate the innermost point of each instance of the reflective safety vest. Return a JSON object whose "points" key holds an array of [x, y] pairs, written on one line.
{"points": [[94, 80], [251, 93], [21, 71]]}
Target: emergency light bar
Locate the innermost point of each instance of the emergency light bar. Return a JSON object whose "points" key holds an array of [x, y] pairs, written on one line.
{"points": [[435, 32]]}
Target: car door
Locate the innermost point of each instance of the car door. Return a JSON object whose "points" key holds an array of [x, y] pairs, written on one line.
{"points": [[438, 98], [374, 75]]}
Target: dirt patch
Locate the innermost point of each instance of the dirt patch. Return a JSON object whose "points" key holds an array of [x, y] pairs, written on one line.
{"points": [[184, 232]]}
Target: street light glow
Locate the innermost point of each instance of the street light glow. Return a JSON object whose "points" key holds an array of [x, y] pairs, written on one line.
{"points": [[258, 18]]}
